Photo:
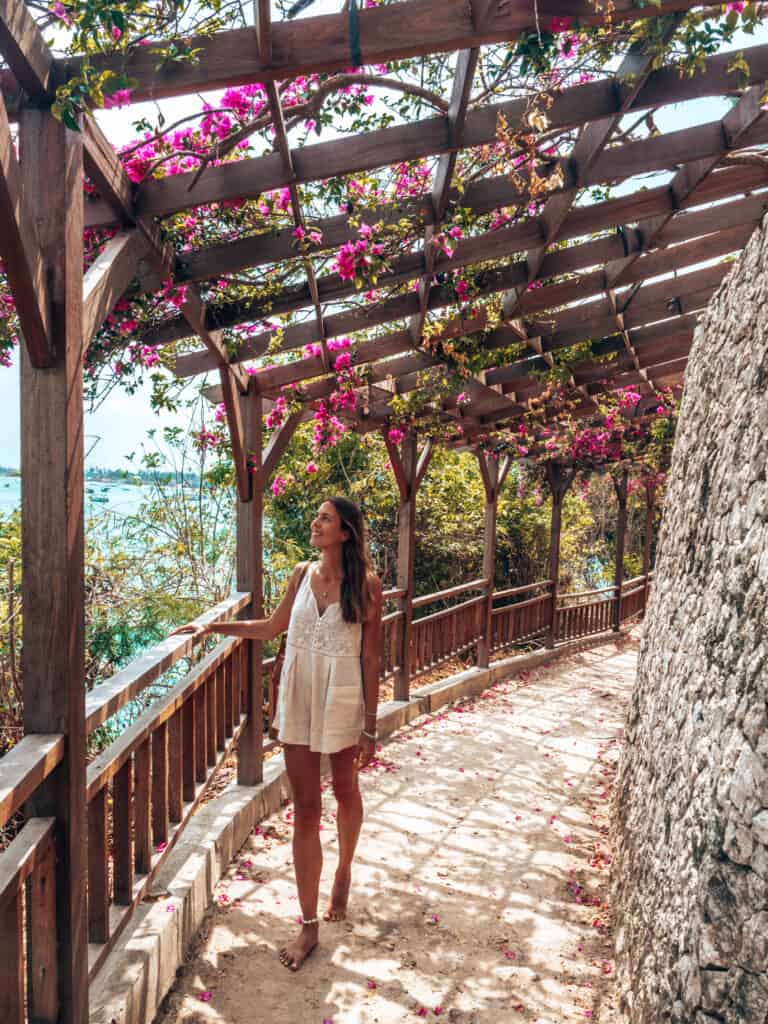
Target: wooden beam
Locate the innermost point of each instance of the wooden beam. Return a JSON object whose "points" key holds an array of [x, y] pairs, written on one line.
{"points": [[333, 288], [259, 250], [274, 450], [321, 44], [250, 579], [735, 128], [232, 405], [21, 255], [53, 654], [566, 260], [26, 52], [264, 31], [108, 277], [466, 64], [630, 77], [431, 136]]}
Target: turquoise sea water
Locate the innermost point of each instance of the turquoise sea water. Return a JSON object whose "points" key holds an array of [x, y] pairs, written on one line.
{"points": [[99, 496]]}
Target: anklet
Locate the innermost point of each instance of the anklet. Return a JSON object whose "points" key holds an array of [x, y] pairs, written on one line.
{"points": [[309, 920]]}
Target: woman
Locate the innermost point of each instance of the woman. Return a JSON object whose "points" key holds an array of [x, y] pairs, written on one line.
{"points": [[328, 698]]}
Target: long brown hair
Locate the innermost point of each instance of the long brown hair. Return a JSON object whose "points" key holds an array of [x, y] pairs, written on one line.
{"points": [[355, 560]]}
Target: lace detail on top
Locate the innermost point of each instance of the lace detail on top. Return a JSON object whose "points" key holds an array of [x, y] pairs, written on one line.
{"points": [[327, 633]]}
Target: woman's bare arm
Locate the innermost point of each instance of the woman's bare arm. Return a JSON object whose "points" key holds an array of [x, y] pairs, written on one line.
{"points": [[251, 629]]}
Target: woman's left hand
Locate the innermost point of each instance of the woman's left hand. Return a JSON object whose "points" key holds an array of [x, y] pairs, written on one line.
{"points": [[366, 748]]}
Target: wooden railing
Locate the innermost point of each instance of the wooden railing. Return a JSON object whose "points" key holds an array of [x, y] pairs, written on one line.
{"points": [[588, 612], [144, 787]]}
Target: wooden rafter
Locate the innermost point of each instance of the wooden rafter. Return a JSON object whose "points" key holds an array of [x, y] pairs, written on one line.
{"points": [[108, 277], [431, 137], [563, 261], [23, 47], [630, 77], [321, 44], [21, 255], [703, 139], [106, 171], [735, 127]]}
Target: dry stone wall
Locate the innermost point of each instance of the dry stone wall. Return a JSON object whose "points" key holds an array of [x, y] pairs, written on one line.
{"points": [[691, 871]]}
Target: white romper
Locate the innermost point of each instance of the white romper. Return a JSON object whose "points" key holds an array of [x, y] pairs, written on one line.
{"points": [[320, 701]]}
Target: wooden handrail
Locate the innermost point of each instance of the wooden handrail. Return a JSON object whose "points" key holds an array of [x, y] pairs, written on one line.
{"points": [[23, 854], [442, 595], [520, 604], [635, 579], [511, 591], [103, 767], [443, 612], [392, 595], [107, 698], [25, 767], [587, 593]]}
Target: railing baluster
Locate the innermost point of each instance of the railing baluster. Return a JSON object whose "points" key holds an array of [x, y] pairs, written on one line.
{"points": [[12, 960], [175, 768], [42, 960], [228, 684], [221, 735], [98, 868], [201, 727], [160, 784], [189, 756], [141, 805], [210, 717], [122, 832]]}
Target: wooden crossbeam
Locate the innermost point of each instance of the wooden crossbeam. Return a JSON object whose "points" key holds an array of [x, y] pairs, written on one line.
{"points": [[108, 277], [321, 44], [430, 137], [457, 112], [707, 141], [746, 212], [629, 79], [675, 330], [258, 250], [106, 171], [21, 254], [283, 147], [735, 127], [26, 52], [274, 450]]}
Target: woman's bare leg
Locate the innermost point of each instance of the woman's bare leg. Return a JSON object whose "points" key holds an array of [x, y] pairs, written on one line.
{"points": [[349, 819], [303, 767]]}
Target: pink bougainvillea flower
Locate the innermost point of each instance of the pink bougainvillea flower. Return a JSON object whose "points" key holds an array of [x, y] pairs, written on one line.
{"points": [[311, 467], [371, 983], [204, 997], [422, 1012]]}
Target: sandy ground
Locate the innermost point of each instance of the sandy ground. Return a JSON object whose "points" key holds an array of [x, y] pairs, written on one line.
{"points": [[480, 891]]}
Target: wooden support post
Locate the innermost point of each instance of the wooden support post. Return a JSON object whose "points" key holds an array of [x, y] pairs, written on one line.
{"points": [[409, 468], [53, 658], [250, 577], [650, 508], [559, 479], [406, 558], [493, 476], [620, 486]]}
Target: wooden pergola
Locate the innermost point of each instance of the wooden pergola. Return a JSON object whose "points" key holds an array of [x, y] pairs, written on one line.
{"points": [[634, 291]]}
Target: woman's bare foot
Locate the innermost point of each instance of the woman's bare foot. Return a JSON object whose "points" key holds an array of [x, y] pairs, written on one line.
{"points": [[337, 908], [293, 954]]}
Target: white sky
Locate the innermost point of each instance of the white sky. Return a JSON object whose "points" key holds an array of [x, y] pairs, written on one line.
{"points": [[122, 422]]}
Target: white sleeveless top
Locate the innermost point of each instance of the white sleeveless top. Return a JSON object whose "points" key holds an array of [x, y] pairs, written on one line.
{"points": [[320, 702]]}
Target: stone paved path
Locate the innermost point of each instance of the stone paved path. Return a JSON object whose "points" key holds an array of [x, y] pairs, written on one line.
{"points": [[481, 884]]}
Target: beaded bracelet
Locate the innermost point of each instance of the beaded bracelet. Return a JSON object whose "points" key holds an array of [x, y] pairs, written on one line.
{"points": [[371, 736]]}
